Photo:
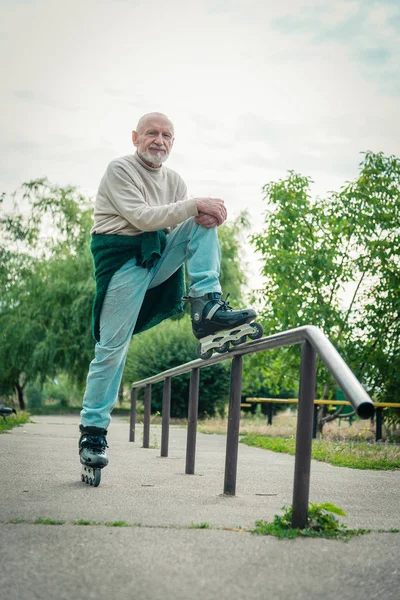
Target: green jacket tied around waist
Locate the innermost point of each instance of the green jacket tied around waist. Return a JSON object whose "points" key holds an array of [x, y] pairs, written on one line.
{"points": [[111, 252]]}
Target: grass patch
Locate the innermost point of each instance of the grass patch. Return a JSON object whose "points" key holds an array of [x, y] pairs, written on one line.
{"points": [[13, 421], [15, 521], [355, 455], [321, 523], [285, 423], [200, 526], [48, 522]]}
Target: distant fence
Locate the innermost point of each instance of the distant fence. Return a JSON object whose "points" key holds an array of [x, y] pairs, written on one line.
{"points": [[313, 341], [379, 406]]}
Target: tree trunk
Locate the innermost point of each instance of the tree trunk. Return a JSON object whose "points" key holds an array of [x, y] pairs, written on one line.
{"points": [[121, 394], [20, 395], [322, 412]]}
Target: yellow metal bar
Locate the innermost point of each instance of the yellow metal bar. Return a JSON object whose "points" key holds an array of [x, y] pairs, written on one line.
{"points": [[277, 400], [328, 402]]}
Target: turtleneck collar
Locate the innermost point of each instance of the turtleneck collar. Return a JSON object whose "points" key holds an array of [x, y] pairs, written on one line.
{"points": [[145, 165]]}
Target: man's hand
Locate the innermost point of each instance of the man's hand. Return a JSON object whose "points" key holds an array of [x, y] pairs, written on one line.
{"points": [[206, 220], [213, 207]]}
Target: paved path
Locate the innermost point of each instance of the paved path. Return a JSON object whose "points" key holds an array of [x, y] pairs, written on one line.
{"points": [[164, 556]]}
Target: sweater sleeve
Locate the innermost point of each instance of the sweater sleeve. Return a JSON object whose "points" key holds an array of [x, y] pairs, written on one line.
{"points": [[131, 204]]}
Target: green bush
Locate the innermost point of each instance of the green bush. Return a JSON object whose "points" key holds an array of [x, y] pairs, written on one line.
{"points": [[166, 346], [62, 390], [34, 397]]}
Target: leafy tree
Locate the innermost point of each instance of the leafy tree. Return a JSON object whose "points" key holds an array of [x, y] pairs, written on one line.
{"points": [[314, 251]]}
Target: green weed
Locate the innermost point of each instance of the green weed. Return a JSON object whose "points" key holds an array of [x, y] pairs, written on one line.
{"points": [[321, 523], [48, 522], [15, 521]]}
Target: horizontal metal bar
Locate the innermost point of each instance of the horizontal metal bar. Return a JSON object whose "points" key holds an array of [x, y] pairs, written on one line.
{"points": [[278, 340], [346, 380], [317, 401], [295, 401]]}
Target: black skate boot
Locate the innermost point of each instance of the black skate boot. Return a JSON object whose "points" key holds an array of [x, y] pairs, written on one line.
{"points": [[92, 453], [217, 325]]}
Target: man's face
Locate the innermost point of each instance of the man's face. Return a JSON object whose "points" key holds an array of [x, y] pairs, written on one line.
{"points": [[154, 140]]}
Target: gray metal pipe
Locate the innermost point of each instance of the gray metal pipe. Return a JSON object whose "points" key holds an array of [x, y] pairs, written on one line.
{"points": [[132, 420], [305, 413], [193, 410], [347, 381], [146, 420], [232, 438], [166, 412]]}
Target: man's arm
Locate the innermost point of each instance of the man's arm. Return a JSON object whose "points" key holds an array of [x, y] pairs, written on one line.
{"points": [[130, 203]]}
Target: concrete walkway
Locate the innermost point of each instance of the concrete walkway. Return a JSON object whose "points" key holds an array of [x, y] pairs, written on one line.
{"points": [[164, 556]]}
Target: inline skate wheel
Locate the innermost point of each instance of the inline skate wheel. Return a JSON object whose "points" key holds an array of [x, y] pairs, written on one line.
{"points": [[96, 478], [204, 355], [239, 341], [258, 333], [222, 349]]}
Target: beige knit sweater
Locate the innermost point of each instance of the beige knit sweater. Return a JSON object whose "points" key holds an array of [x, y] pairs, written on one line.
{"points": [[133, 198]]}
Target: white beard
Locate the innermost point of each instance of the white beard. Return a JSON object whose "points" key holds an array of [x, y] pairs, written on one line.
{"points": [[155, 157]]}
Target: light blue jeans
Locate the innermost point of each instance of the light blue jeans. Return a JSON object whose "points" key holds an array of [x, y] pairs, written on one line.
{"points": [[189, 242]]}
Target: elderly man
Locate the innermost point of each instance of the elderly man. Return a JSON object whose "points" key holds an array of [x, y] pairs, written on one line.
{"points": [[145, 228]]}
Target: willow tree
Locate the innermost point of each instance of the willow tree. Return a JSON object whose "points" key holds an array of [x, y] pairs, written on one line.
{"points": [[47, 286]]}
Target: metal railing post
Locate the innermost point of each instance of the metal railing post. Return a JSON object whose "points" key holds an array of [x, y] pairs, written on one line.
{"points": [[147, 409], [132, 422], [270, 412], [315, 422], [378, 424], [232, 440], [192, 421], [166, 411], [305, 414]]}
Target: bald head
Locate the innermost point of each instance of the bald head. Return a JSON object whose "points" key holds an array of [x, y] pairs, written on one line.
{"points": [[149, 118]]}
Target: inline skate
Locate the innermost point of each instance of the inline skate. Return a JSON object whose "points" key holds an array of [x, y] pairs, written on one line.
{"points": [[217, 325], [92, 453]]}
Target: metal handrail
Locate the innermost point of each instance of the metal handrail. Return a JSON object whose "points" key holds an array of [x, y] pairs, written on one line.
{"points": [[346, 380], [314, 341]]}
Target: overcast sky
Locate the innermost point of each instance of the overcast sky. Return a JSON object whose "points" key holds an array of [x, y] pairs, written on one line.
{"points": [[254, 87]]}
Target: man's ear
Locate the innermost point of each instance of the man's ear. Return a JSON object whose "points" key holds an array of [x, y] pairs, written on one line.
{"points": [[135, 138]]}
